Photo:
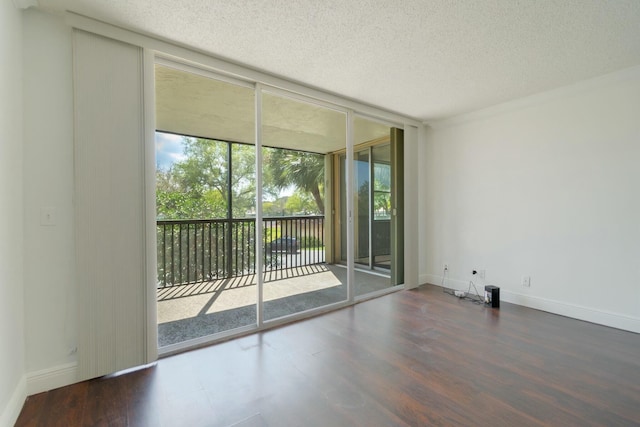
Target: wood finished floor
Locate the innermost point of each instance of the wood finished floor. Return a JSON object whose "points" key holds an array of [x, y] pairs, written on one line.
{"points": [[412, 358]]}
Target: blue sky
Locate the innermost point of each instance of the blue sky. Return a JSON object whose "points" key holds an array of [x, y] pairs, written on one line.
{"points": [[169, 149]]}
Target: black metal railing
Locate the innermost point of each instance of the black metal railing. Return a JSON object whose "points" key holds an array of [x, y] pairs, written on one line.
{"points": [[201, 250]]}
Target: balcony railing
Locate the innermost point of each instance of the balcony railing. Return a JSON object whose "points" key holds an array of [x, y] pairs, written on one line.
{"points": [[201, 250]]}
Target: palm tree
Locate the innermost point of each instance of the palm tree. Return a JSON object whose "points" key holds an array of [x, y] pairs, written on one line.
{"points": [[296, 168]]}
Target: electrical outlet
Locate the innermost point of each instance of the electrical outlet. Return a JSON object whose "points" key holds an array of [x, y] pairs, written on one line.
{"points": [[446, 267], [526, 281], [479, 273]]}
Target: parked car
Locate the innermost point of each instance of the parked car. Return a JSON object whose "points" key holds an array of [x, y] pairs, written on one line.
{"points": [[283, 244]]}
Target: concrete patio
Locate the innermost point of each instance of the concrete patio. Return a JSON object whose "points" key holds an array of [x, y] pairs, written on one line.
{"points": [[194, 310]]}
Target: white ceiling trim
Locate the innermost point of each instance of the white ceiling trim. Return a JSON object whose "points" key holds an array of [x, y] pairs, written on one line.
{"points": [[184, 54]]}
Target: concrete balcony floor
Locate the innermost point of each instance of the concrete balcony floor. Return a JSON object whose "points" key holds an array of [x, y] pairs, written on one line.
{"points": [[191, 311]]}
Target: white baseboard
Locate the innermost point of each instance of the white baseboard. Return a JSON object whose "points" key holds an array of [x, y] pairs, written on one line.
{"points": [[48, 379], [448, 283], [614, 320], [10, 413]]}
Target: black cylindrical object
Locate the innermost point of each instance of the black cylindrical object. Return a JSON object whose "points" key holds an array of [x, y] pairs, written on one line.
{"points": [[492, 296]]}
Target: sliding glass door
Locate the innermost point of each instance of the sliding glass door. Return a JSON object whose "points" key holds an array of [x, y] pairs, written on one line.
{"points": [[377, 207], [266, 201], [297, 136], [205, 205]]}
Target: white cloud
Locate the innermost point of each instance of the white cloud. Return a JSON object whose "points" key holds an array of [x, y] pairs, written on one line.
{"points": [[169, 149]]}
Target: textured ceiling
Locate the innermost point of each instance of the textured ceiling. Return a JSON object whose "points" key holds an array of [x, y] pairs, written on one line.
{"points": [[428, 59]]}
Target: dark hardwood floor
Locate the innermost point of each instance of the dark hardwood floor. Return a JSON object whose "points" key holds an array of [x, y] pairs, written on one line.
{"points": [[412, 358]]}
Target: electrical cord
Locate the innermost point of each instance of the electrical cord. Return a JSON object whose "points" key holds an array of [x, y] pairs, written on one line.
{"points": [[442, 283], [476, 299]]}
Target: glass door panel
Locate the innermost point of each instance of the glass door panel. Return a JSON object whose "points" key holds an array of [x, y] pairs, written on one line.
{"points": [[341, 210], [296, 139], [362, 207], [381, 209], [205, 197], [373, 195]]}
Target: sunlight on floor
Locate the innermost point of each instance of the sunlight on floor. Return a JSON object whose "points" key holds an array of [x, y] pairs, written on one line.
{"points": [[226, 295]]}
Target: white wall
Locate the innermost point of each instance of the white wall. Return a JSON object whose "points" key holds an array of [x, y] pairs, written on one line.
{"points": [[547, 187], [50, 287], [12, 385]]}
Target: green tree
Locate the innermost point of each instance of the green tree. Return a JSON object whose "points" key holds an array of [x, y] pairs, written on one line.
{"points": [[274, 208], [300, 203], [305, 171], [197, 186]]}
